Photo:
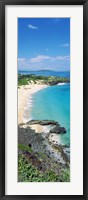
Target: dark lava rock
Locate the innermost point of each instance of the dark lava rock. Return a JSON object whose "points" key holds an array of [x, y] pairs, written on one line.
{"points": [[43, 122], [58, 129], [63, 152], [53, 83], [48, 122], [29, 145], [43, 156]]}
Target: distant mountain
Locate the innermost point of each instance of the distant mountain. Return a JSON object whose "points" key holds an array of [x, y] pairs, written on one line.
{"points": [[47, 73], [42, 70]]}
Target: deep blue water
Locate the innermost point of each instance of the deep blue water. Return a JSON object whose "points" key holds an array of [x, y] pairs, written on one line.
{"points": [[53, 103], [46, 73]]}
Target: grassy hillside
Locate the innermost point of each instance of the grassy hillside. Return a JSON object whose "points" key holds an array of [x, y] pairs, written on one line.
{"points": [[49, 80]]}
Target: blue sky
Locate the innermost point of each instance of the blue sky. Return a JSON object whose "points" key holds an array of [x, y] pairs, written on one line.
{"points": [[44, 43]]}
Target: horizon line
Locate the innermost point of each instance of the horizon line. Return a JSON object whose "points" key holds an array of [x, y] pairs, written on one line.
{"points": [[43, 70]]}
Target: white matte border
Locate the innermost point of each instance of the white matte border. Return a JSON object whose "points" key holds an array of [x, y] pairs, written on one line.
{"points": [[75, 186]]}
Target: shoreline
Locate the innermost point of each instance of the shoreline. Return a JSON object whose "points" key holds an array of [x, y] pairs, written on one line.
{"points": [[25, 93], [39, 141], [42, 154]]}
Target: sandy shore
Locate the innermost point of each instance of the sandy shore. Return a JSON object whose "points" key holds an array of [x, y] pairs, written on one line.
{"points": [[24, 106], [25, 95]]}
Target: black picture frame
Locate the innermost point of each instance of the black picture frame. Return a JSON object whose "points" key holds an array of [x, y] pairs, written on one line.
{"points": [[3, 3]]}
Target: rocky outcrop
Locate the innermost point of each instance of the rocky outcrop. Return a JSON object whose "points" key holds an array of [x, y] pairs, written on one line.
{"points": [[51, 83], [58, 129], [43, 122], [47, 153]]}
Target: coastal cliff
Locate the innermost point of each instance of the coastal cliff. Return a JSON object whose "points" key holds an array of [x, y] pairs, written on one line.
{"points": [[42, 153]]}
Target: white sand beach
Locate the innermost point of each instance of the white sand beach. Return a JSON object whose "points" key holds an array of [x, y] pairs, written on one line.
{"points": [[24, 106], [25, 94]]}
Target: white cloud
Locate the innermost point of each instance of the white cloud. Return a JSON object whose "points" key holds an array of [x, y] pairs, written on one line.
{"points": [[40, 58], [63, 58], [21, 59], [64, 45], [30, 26], [43, 62]]}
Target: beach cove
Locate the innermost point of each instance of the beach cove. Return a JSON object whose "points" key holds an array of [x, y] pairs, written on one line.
{"points": [[41, 102], [39, 128]]}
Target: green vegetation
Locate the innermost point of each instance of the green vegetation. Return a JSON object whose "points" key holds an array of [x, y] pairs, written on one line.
{"points": [[49, 80], [28, 173], [24, 147], [22, 81]]}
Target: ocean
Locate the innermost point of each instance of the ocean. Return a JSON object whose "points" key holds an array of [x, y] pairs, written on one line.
{"points": [[47, 73], [53, 103]]}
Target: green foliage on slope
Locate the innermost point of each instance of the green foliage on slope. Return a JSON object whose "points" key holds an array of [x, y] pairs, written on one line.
{"points": [[49, 80], [28, 173]]}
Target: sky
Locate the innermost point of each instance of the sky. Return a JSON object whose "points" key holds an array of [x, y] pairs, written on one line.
{"points": [[44, 44]]}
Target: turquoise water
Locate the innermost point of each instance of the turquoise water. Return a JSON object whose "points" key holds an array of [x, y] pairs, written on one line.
{"points": [[53, 103]]}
